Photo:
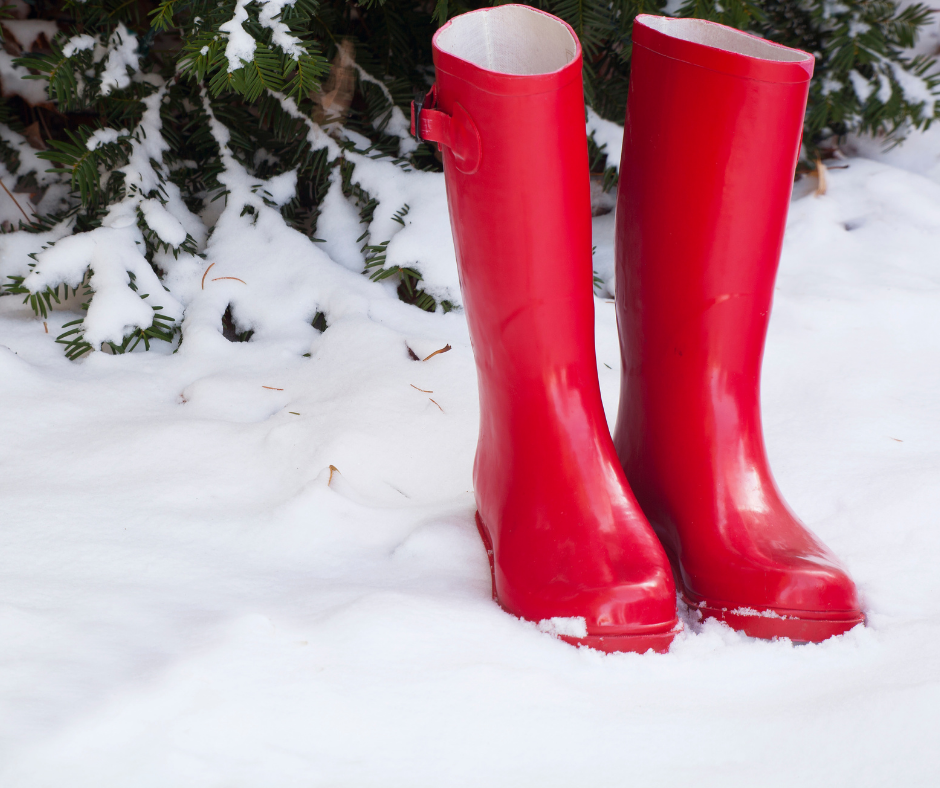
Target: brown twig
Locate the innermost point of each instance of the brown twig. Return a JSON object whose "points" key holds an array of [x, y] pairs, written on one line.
{"points": [[423, 391], [822, 183], [438, 406], [204, 275], [442, 350], [10, 195], [219, 278], [45, 126]]}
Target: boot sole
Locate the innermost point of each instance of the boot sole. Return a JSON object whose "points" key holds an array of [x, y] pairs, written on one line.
{"points": [[657, 640], [636, 644], [800, 626]]}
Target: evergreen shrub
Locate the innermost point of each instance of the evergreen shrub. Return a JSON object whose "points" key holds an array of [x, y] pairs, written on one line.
{"points": [[140, 107]]}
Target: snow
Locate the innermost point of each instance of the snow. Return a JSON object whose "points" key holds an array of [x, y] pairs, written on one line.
{"points": [[10, 211], [29, 161], [860, 85], [920, 152], [424, 241], [240, 48], [928, 39], [830, 86], [26, 31], [885, 89], [18, 209], [396, 123], [78, 43], [604, 263], [749, 611], [104, 136], [122, 55], [240, 565], [915, 88], [107, 256], [339, 227], [281, 188], [280, 33], [162, 222], [16, 248], [241, 45], [15, 81], [607, 135], [112, 253], [575, 626], [857, 28]]}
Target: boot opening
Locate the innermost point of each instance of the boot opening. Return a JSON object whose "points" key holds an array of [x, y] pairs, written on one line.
{"points": [[510, 39], [709, 34]]}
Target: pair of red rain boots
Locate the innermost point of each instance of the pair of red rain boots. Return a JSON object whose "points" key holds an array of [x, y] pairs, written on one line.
{"points": [[710, 145]]}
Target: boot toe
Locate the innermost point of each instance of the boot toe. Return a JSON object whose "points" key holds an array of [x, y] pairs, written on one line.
{"points": [[815, 587], [809, 599], [635, 617], [620, 624], [632, 607]]}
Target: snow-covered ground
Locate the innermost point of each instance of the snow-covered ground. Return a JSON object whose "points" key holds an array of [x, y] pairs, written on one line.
{"points": [[191, 596]]}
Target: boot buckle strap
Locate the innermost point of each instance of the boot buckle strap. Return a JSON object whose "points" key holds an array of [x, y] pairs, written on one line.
{"points": [[456, 132]]}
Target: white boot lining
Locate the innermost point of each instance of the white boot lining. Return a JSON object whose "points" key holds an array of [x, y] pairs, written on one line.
{"points": [[699, 31], [510, 40]]}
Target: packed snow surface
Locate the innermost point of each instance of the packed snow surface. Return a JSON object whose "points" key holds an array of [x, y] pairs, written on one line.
{"points": [[240, 566]]}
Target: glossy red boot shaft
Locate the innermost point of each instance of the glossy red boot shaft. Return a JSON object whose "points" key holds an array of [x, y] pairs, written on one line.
{"points": [[711, 142], [566, 538]]}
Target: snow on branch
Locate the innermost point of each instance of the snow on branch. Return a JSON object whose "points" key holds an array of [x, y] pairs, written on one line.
{"points": [[126, 292], [241, 45]]}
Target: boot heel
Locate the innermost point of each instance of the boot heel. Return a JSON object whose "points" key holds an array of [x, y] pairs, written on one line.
{"points": [[488, 544]]}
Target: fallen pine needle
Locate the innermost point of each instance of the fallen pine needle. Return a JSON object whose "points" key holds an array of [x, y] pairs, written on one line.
{"points": [[442, 350], [438, 406], [423, 391], [293, 412], [220, 278], [45, 325], [896, 439], [204, 275], [10, 194], [333, 469], [272, 388]]}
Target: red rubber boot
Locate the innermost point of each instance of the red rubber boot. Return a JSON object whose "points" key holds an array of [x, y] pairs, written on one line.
{"points": [[712, 136], [565, 536]]}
